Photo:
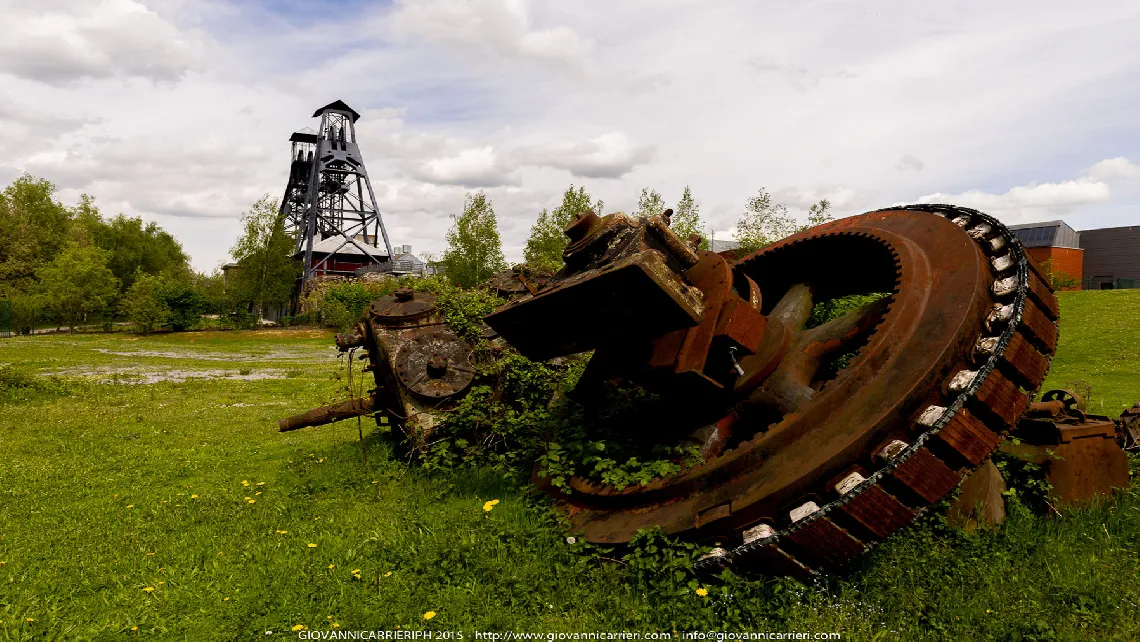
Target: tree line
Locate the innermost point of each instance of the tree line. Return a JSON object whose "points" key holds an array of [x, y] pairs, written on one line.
{"points": [[474, 250], [71, 265]]}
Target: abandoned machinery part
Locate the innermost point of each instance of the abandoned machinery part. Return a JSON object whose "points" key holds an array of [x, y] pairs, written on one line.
{"points": [[804, 468], [1081, 453], [417, 363]]}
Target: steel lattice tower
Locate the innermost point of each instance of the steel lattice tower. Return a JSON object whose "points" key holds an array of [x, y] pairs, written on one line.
{"points": [[329, 200]]}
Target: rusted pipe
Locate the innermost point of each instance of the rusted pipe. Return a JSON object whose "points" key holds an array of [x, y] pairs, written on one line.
{"points": [[328, 414]]}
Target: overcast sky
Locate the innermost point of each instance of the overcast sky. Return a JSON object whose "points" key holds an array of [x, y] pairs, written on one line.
{"points": [[179, 111]]}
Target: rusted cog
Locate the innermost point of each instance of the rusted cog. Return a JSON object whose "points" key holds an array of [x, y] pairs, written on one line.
{"points": [[401, 307], [806, 445], [435, 364]]}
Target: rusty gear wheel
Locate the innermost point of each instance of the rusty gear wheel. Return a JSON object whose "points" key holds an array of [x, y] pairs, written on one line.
{"points": [[435, 364], [817, 466]]}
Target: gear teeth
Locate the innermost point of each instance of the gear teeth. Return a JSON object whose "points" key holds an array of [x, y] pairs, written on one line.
{"points": [[1013, 354], [770, 559], [1037, 325], [1005, 287], [980, 231], [927, 476], [969, 436], [891, 451], [1024, 362], [759, 533], [877, 511], [803, 511], [1003, 263], [1002, 398], [1042, 295], [931, 415], [822, 544]]}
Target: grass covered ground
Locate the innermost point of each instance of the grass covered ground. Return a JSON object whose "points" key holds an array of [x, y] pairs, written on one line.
{"points": [[174, 510]]}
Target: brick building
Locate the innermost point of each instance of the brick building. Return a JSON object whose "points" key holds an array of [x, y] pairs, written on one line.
{"points": [[1056, 242]]}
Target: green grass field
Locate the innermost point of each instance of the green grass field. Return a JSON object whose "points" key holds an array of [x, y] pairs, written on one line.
{"points": [[174, 510]]}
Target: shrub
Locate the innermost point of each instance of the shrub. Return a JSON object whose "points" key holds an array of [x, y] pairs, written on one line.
{"points": [[144, 304]]}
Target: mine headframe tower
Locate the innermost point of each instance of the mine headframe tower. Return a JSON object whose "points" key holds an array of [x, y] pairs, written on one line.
{"points": [[329, 200]]}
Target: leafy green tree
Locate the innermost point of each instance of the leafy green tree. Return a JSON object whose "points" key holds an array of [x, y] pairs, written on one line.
{"points": [[78, 282], [157, 301], [765, 222], [649, 203], [547, 237], [819, 213], [185, 302], [686, 220], [144, 304], [134, 247], [33, 229], [266, 271], [474, 252]]}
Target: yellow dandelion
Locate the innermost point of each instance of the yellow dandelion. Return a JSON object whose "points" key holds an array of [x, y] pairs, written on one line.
{"points": [[134, 628], [494, 502], [225, 599], [332, 565], [330, 618], [355, 570], [321, 460], [193, 497], [389, 573], [260, 483], [257, 493], [282, 532], [487, 506], [252, 501], [298, 627], [703, 592], [247, 498], [335, 625], [219, 553], [149, 589], [245, 482], [130, 505], [429, 615], [161, 583], [312, 545], [31, 619]]}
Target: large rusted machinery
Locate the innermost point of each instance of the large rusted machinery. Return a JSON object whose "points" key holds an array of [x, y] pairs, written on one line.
{"points": [[816, 440], [416, 361]]}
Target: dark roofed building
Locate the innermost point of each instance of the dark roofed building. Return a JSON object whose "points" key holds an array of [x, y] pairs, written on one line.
{"points": [[1112, 257]]}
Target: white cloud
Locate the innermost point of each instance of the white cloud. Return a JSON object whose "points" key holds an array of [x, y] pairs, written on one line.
{"points": [[489, 27], [1042, 201], [477, 167], [62, 42], [909, 162], [179, 110], [610, 155], [1114, 169]]}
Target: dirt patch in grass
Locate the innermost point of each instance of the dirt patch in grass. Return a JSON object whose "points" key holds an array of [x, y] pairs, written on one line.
{"points": [[276, 355], [133, 376]]}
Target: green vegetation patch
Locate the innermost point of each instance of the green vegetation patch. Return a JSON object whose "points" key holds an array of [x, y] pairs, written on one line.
{"points": [[177, 508]]}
